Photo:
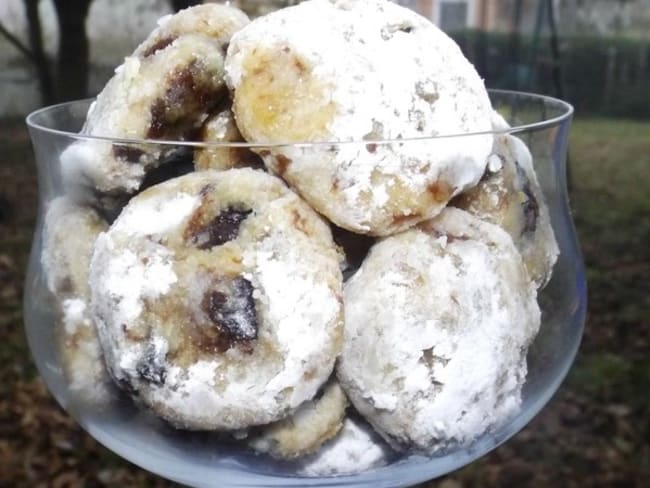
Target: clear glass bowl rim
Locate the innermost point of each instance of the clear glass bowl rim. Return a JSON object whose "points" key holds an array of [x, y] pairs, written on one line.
{"points": [[565, 112], [412, 469]]}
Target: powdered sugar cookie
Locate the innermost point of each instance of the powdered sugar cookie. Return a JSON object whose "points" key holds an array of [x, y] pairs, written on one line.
{"points": [[215, 21], [220, 127], [356, 448], [509, 195], [165, 96], [217, 296], [305, 431], [437, 323], [364, 71], [165, 90], [69, 234], [68, 237], [81, 354]]}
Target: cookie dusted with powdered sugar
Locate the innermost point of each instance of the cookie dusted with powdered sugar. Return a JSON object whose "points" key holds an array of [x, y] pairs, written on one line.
{"points": [[355, 449], [69, 235], [509, 195], [221, 128], [305, 431], [437, 324], [215, 21], [165, 90], [362, 70], [217, 296], [165, 96]]}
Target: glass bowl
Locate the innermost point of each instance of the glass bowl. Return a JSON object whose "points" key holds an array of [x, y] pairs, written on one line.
{"points": [[202, 459]]}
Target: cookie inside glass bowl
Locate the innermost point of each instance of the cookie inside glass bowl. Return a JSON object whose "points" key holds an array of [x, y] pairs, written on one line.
{"points": [[198, 268]]}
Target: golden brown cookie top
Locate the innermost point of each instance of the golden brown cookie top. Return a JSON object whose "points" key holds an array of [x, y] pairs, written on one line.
{"points": [[362, 71]]}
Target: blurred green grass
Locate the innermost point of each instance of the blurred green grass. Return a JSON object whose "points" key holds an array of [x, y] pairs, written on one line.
{"points": [[610, 162]]}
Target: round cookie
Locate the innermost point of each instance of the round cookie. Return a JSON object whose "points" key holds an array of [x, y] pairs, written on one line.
{"points": [[217, 297], [220, 127], [366, 70], [509, 196], [304, 432], [165, 90], [69, 234], [167, 95], [81, 354], [437, 324], [356, 448], [216, 21]]}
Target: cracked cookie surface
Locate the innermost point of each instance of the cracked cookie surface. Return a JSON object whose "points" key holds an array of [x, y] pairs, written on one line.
{"points": [[363, 71], [510, 196], [165, 90], [218, 299], [437, 323]]}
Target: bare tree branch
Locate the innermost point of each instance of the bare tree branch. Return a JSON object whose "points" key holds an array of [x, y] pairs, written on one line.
{"points": [[39, 58], [16, 43]]}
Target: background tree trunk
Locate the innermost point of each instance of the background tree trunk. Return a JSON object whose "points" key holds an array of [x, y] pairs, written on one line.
{"points": [[38, 57], [515, 41], [73, 58], [181, 4]]}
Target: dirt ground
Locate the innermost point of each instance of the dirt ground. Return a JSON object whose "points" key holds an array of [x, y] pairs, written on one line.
{"points": [[594, 433]]}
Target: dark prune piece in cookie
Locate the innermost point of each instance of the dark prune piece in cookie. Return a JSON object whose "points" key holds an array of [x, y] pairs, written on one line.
{"points": [[231, 307], [222, 228]]}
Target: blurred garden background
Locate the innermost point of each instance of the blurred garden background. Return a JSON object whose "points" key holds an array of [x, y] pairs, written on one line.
{"points": [[594, 53]]}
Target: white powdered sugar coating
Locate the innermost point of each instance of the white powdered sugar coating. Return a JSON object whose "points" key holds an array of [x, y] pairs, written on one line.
{"points": [[304, 432], [356, 448], [499, 122], [297, 303], [220, 125], [156, 296], [69, 234], [124, 107], [510, 196], [543, 248], [438, 321], [156, 215], [107, 113], [82, 354], [88, 162], [390, 74], [213, 20], [91, 162], [74, 315], [135, 105], [121, 280], [494, 163]]}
